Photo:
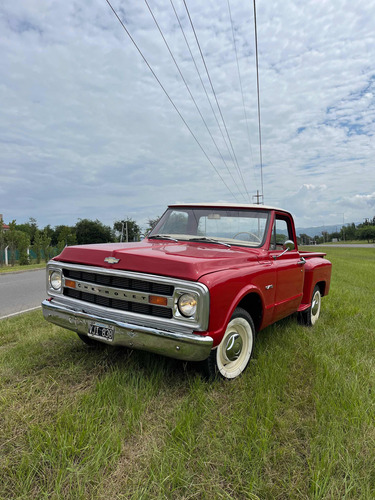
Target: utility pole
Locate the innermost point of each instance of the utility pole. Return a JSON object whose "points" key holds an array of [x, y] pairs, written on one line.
{"points": [[258, 197], [124, 224], [343, 229]]}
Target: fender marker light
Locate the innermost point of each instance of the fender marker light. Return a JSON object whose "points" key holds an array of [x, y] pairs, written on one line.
{"points": [[157, 300], [70, 283]]}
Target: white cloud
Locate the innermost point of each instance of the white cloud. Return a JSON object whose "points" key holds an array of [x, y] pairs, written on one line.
{"points": [[360, 201]]}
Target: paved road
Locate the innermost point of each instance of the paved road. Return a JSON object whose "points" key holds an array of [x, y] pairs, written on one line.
{"points": [[21, 291]]}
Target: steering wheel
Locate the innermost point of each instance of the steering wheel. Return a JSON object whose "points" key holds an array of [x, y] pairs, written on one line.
{"points": [[257, 239]]}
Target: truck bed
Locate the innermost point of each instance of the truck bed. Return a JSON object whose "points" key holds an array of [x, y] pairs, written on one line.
{"points": [[310, 255]]}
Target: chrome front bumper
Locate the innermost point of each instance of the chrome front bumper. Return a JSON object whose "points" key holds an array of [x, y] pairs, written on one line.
{"points": [[185, 346]]}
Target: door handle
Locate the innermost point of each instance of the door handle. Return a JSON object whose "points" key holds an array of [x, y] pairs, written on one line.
{"points": [[302, 262]]}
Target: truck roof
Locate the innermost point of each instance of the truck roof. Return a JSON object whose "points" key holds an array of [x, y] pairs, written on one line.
{"points": [[227, 205]]}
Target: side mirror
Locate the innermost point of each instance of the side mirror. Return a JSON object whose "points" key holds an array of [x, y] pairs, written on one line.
{"points": [[288, 245]]}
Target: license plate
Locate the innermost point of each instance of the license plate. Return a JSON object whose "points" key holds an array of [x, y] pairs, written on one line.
{"points": [[101, 331]]}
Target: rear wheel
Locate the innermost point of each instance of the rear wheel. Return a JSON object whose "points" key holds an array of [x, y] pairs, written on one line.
{"points": [[232, 355], [311, 315]]}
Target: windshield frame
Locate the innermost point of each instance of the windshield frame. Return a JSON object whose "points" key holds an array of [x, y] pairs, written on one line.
{"points": [[199, 211]]}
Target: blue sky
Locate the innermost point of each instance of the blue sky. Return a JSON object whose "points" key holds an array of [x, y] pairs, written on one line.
{"points": [[86, 131]]}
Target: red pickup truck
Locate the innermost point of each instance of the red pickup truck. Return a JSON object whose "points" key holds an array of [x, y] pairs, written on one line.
{"points": [[198, 288]]}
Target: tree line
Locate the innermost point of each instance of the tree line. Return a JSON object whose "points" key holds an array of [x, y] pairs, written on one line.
{"points": [[46, 242], [49, 241], [350, 232]]}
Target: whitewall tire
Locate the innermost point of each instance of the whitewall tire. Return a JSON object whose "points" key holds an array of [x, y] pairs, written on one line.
{"points": [[233, 354]]}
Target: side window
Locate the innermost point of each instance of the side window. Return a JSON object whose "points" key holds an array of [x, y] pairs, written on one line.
{"points": [[280, 233]]}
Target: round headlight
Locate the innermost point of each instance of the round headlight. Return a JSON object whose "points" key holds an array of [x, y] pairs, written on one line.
{"points": [[187, 305], [55, 280]]}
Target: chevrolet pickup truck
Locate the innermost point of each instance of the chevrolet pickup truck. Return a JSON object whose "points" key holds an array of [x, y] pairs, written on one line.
{"points": [[199, 287]]}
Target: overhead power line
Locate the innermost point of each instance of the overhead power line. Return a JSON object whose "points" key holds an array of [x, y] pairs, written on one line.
{"points": [[215, 96], [190, 93], [258, 95], [203, 85], [169, 98], [240, 80]]}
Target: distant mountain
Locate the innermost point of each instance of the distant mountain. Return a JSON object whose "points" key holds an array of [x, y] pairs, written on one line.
{"points": [[317, 231]]}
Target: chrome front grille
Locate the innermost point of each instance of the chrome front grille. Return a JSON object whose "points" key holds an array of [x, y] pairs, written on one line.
{"points": [[121, 282], [118, 292], [122, 305]]}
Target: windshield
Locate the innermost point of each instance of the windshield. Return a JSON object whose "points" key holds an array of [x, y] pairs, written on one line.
{"points": [[230, 226]]}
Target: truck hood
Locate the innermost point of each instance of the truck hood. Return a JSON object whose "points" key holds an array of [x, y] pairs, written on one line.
{"points": [[183, 260]]}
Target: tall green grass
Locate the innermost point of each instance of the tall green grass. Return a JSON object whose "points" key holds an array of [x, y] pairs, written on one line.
{"points": [[18, 268], [83, 423]]}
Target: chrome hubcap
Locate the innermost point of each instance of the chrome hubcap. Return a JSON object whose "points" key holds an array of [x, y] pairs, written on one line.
{"points": [[233, 347], [315, 304]]}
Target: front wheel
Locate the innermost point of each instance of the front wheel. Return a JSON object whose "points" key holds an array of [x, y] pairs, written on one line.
{"points": [[232, 355], [311, 315]]}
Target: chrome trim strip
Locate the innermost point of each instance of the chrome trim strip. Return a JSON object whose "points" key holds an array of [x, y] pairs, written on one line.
{"points": [[188, 347]]}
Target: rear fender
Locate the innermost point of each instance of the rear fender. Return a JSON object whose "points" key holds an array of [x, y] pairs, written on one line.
{"points": [[317, 271]]}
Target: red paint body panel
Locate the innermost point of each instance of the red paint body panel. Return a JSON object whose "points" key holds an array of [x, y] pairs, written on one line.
{"points": [[317, 270], [227, 291], [180, 260], [287, 296]]}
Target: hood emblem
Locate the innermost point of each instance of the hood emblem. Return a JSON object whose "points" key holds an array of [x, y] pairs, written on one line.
{"points": [[111, 260]]}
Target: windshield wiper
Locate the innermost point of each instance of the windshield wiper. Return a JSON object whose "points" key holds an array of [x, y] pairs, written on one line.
{"points": [[161, 237], [210, 240]]}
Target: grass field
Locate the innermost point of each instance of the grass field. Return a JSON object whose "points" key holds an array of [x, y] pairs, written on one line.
{"points": [[16, 268], [81, 423]]}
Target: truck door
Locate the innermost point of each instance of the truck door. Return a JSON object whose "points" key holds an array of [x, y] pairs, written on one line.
{"points": [[289, 268]]}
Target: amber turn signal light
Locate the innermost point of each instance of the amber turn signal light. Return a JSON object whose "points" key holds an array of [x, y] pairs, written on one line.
{"points": [[157, 300], [70, 283]]}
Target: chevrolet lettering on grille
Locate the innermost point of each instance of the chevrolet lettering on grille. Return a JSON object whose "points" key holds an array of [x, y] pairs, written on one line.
{"points": [[111, 292]]}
